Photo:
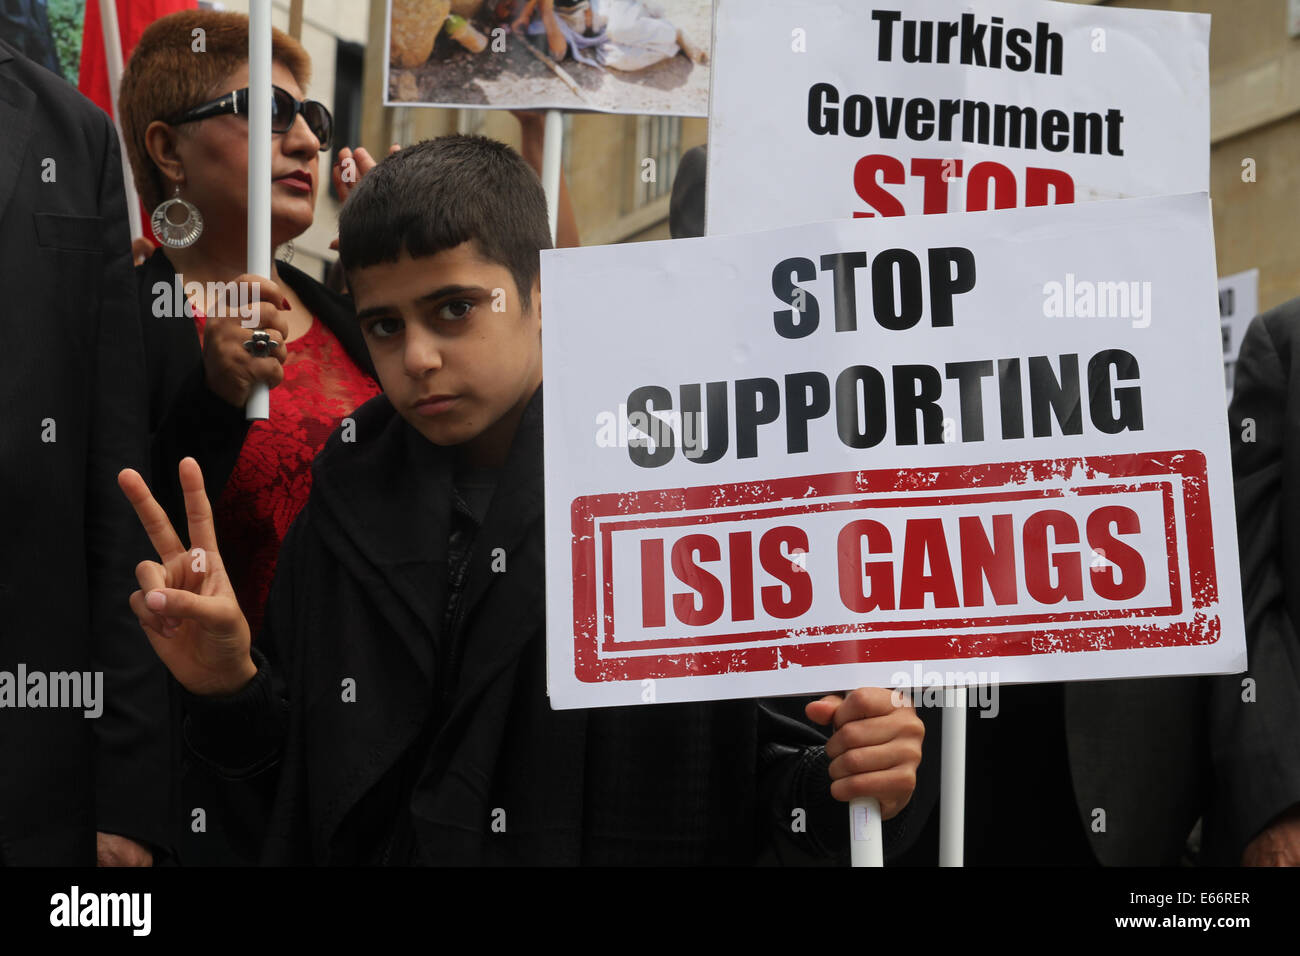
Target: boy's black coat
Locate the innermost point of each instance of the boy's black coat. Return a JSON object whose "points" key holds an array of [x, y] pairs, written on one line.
{"points": [[186, 418], [357, 602]]}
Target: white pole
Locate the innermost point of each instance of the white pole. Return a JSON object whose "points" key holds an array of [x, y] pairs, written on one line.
{"points": [[552, 154], [866, 843], [113, 57], [952, 778], [259, 168]]}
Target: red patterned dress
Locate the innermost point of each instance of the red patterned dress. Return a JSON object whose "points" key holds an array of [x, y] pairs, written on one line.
{"points": [[272, 477]]}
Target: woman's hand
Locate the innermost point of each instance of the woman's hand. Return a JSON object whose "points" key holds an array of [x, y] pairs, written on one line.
{"points": [[185, 604], [230, 369], [141, 250]]}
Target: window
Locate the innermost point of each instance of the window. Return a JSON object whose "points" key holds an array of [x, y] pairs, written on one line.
{"points": [[470, 121], [566, 153], [658, 138], [348, 65]]}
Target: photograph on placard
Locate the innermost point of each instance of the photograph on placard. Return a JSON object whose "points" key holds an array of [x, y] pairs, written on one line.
{"points": [[613, 56]]}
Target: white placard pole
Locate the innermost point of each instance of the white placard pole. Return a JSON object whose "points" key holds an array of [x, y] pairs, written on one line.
{"points": [[952, 778], [113, 58], [259, 168], [866, 842], [552, 154]]}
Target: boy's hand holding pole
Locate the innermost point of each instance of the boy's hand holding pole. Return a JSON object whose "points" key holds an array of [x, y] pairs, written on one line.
{"points": [[185, 604], [874, 753]]}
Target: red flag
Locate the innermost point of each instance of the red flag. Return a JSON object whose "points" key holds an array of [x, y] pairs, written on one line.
{"points": [[133, 16]]}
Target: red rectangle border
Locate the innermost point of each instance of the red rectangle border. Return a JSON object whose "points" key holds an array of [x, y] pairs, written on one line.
{"points": [[1005, 481]]}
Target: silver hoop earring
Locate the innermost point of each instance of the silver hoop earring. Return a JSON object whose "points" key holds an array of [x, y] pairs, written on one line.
{"points": [[177, 235], [285, 252]]}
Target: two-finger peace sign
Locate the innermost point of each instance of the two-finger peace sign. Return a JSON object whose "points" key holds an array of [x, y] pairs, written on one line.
{"points": [[185, 604]]}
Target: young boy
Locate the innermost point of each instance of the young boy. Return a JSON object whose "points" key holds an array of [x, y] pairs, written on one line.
{"points": [[394, 708]]}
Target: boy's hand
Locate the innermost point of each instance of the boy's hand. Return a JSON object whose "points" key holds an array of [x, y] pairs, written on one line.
{"points": [[185, 604], [363, 161], [229, 368], [876, 747], [114, 850], [1278, 844]]}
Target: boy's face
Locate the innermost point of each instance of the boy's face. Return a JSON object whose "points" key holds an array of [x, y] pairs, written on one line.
{"points": [[456, 353]]}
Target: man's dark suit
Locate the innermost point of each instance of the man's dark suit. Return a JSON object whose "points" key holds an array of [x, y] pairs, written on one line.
{"points": [[1255, 742], [71, 370], [25, 26]]}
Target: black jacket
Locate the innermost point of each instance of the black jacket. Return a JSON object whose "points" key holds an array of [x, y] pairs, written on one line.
{"points": [[74, 413], [186, 418], [357, 604], [25, 26], [1255, 728]]}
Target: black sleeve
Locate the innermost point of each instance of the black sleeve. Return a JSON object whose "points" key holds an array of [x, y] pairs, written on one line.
{"points": [[802, 824], [252, 736], [1254, 743], [197, 424], [132, 746], [243, 735]]}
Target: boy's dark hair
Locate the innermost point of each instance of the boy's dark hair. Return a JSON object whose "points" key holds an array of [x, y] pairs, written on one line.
{"points": [[443, 192]]}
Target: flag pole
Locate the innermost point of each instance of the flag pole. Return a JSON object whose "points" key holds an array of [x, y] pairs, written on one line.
{"points": [[552, 156], [113, 60], [952, 778], [259, 168]]}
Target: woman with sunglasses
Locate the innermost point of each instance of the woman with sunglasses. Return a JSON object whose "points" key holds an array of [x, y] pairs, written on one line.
{"points": [[184, 118], [183, 105]]}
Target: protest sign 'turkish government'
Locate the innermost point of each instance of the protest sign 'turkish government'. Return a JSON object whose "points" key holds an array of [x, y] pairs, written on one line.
{"points": [[830, 109]]}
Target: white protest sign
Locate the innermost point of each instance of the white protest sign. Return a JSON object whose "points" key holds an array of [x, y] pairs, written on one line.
{"points": [[883, 443], [830, 109], [1238, 304]]}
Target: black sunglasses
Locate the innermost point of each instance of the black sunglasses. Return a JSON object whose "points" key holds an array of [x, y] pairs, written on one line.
{"points": [[284, 110]]}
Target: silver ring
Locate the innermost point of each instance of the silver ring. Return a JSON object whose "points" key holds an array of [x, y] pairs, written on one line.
{"points": [[260, 344]]}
